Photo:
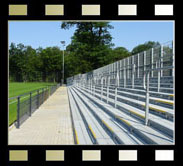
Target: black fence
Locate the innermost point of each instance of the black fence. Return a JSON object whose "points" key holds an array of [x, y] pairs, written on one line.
{"points": [[53, 89], [25, 108]]}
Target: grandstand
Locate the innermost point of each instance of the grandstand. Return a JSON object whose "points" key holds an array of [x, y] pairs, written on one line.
{"points": [[128, 102]]}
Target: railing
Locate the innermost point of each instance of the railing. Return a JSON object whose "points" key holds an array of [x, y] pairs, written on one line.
{"points": [[132, 69], [151, 70], [28, 103], [105, 92], [146, 87]]}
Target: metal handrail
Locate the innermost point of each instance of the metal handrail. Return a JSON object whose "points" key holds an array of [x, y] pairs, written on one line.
{"points": [[146, 87]]}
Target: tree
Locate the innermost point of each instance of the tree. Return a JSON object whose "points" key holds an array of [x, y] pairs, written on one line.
{"points": [[119, 53], [18, 62], [144, 47], [90, 44], [51, 63], [28, 64]]}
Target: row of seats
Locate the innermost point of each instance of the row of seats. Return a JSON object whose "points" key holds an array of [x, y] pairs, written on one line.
{"points": [[118, 114]]}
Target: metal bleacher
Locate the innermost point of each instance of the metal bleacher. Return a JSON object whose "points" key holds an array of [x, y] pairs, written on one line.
{"points": [[129, 102]]}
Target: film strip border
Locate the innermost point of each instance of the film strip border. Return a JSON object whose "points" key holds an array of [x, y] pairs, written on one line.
{"points": [[89, 10], [19, 156], [26, 157]]}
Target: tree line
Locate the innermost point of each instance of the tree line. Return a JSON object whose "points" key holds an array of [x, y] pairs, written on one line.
{"points": [[91, 47]]}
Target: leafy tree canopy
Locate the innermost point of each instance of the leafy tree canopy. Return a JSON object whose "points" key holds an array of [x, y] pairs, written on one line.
{"points": [[91, 47], [144, 47]]}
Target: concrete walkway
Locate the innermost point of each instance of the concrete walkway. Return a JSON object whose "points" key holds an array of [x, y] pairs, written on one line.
{"points": [[49, 125]]}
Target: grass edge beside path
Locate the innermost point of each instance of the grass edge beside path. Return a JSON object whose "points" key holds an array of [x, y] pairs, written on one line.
{"points": [[19, 89]]}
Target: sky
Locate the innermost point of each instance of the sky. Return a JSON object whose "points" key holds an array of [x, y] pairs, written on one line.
{"points": [[126, 34]]}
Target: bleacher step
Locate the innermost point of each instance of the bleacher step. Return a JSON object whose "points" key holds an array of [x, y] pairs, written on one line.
{"points": [[139, 128]]}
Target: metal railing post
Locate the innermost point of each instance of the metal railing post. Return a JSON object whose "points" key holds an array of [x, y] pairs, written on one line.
{"points": [[173, 56], [49, 91], [94, 84], [124, 76], [18, 112], [159, 75], [128, 69], [30, 104], [144, 78], [147, 100], [42, 95], [116, 89], [138, 65], [119, 69], [91, 86], [45, 94], [144, 56], [152, 59], [144, 61], [94, 89], [115, 99], [133, 75], [108, 83], [161, 61], [37, 98], [101, 88]]}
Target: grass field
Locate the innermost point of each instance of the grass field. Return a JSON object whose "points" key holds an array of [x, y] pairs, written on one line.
{"points": [[16, 89]]}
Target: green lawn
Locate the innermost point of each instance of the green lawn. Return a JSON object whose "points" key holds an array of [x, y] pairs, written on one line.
{"points": [[16, 89]]}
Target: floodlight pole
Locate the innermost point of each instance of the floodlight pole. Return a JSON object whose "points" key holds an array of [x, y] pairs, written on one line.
{"points": [[63, 70], [63, 43]]}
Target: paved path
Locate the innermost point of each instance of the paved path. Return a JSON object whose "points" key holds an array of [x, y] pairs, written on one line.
{"points": [[49, 125]]}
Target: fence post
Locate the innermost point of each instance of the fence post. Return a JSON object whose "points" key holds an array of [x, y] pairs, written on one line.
{"points": [[37, 98], [173, 56], [128, 69], [108, 83], [159, 75], [144, 64], [147, 100], [161, 61], [48, 91], [138, 65], [144, 61], [144, 77], [90, 85], [119, 69], [152, 59], [133, 71], [124, 74], [42, 95], [94, 84], [18, 112], [116, 89], [133, 75], [30, 104], [101, 87]]}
